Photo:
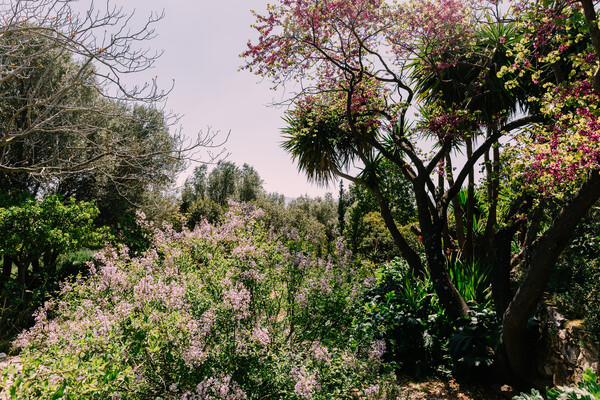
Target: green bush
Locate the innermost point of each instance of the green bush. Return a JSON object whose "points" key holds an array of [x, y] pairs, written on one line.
{"points": [[40, 244], [588, 389], [229, 311], [473, 346], [404, 310]]}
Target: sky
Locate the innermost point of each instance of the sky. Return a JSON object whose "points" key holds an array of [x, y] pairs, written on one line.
{"points": [[202, 41]]}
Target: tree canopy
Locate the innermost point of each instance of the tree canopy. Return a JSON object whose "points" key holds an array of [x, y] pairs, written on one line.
{"points": [[64, 81], [510, 85]]}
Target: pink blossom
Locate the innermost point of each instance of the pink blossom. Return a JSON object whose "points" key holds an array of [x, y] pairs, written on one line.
{"points": [[261, 336], [238, 299]]}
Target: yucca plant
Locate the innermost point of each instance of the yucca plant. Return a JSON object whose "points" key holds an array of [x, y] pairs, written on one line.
{"points": [[472, 280]]}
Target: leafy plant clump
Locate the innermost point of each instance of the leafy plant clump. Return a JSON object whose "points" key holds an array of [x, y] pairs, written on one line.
{"points": [[232, 311], [588, 389], [405, 311]]}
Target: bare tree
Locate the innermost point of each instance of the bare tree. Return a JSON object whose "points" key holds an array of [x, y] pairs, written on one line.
{"points": [[62, 80]]}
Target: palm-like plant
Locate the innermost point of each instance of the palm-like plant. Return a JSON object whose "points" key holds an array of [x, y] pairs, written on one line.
{"points": [[469, 81], [322, 144]]}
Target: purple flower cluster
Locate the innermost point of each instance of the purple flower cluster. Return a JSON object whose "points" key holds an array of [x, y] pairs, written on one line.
{"points": [[306, 383], [237, 298], [221, 388], [197, 302]]}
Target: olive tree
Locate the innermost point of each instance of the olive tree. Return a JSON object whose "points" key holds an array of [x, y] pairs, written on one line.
{"points": [[63, 74]]}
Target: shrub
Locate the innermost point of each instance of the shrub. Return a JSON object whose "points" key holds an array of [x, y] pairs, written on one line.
{"points": [[588, 389], [473, 346], [404, 310], [228, 311]]}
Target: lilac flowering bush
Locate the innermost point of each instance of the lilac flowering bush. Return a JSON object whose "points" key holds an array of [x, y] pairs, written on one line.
{"points": [[228, 311]]}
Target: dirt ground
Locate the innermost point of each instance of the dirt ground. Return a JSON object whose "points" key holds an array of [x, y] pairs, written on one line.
{"points": [[451, 390]]}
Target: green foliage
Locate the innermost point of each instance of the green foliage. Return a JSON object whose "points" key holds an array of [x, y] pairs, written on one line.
{"points": [[194, 187], [49, 227], [45, 236], [472, 280], [226, 181], [232, 311], [576, 281], [315, 216], [206, 195], [534, 395], [365, 229], [405, 311], [473, 346], [588, 389], [250, 186], [18, 302], [204, 209], [371, 238]]}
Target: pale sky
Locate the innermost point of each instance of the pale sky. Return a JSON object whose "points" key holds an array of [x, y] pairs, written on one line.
{"points": [[201, 41]]}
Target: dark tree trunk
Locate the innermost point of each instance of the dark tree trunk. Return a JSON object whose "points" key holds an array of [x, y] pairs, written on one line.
{"points": [[501, 257], [531, 233], [468, 250], [22, 272], [449, 297], [407, 252], [539, 262], [49, 260], [6, 268], [432, 229], [35, 266], [458, 212], [493, 170]]}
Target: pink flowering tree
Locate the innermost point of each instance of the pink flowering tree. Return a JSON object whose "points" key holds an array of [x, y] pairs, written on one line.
{"points": [[480, 75]]}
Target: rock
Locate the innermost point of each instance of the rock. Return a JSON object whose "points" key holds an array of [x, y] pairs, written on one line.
{"points": [[564, 349], [2, 355]]}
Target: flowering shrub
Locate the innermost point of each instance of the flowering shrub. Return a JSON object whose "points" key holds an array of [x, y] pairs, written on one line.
{"points": [[233, 311], [555, 157]]}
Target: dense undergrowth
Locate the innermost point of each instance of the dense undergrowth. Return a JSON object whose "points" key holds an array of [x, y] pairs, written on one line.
{"points": [[239, 310], [229, 311]]}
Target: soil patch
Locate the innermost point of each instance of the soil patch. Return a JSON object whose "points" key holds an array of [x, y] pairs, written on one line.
{"points": [[451, 390]]}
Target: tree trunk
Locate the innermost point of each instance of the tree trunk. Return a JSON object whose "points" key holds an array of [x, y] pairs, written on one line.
{"points": [[501, 252], [449, 297], [22, 274], [407, 252], [35, 266], [432, 228], [468, 250], [493, 170], [49, 260], [539, 262], [458, 212], [6, 268]]}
